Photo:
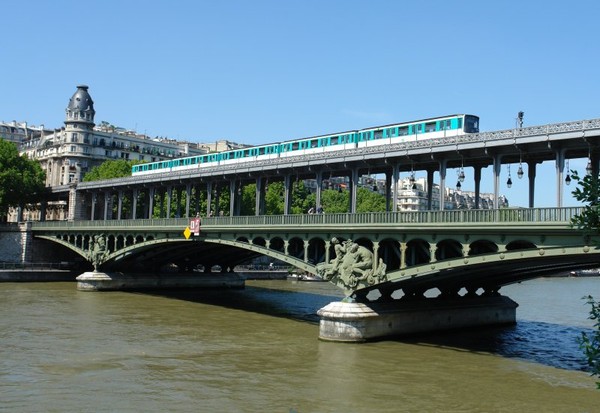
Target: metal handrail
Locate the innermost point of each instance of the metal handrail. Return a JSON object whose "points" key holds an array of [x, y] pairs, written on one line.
{"points": [[472, 216]]}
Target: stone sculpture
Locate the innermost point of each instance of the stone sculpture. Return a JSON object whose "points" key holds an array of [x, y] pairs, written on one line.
{"points": [[353, 264], [97, 253]]}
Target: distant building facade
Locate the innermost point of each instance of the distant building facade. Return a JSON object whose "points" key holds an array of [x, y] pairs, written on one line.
{"points": [[68, 153]]}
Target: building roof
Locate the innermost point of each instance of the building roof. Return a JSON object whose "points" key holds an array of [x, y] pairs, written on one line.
{"points": [[81, 100]]}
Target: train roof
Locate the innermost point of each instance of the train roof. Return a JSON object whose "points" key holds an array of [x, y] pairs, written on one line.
{"points": [[371, 128]]}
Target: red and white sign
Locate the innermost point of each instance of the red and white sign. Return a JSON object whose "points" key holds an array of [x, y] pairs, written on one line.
{"points": [[195, 226]]}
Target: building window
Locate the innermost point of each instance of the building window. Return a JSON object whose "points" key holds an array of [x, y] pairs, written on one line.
{"points": [[74, 137], [73, 148]]}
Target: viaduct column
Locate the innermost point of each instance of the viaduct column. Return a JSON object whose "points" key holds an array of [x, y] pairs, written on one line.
{"points": [[395, 179], [232, 196], [560, 166], [353, 189], [477, 179], [260, 197], [134, 199], [188, 194], [531, 166], [120, 205], [94, 200], [209, 199], [105, 209], [497, 170], [151, 202], [443, 163], [319, 177], [288, 192], [430, 189]]}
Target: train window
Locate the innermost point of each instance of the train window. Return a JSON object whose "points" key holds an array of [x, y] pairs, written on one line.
{"points": [[403, 131], [459, 123], [430, 127], [378, 134]]}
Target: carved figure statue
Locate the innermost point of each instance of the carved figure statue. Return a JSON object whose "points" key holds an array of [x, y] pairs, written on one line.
{"points": [[352, 265], [97, 253]]}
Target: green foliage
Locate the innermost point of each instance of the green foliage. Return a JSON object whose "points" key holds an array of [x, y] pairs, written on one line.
{"points": [[588, 193], [369, 201], [118, 168], [590, 343], [335, 202], [21, 179]]}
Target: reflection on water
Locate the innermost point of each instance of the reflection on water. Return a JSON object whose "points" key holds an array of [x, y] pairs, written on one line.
{"points": [[257, 350]]}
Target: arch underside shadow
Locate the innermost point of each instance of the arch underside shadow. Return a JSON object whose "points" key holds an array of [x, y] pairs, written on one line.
{"points": [[487, 270]]}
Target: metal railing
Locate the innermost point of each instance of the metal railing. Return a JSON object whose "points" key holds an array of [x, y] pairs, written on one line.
{"points": [[472, 216]]}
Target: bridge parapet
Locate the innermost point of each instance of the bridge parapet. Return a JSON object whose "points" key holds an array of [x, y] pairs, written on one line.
{"points": [[477, 217]]}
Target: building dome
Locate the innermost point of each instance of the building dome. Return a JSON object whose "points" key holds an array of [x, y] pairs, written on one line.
{"points": [[81, 100], [80, 111]]}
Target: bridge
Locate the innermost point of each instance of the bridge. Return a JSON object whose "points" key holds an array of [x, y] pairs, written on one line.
{"points": [[381, 260], [467, 255], [525, 147]]}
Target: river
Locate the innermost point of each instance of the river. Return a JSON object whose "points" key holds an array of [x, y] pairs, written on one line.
{"points": [[256, 350]]}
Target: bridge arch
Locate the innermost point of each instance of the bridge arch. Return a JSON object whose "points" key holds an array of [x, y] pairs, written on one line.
{"points": [[520, 245], [296, 248], [389, 252], [417, 252], [447, 249], [277, 244], [482, 246], [261, 241]]}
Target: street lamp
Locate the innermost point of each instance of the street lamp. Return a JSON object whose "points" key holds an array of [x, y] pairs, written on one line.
{"points": [[509, 181]]}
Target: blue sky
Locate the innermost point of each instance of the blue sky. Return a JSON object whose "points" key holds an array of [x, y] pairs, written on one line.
{"points": [[262, 71]]}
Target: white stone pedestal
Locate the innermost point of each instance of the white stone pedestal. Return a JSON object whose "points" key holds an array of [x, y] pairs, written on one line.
{"points": [[101, 281], [355, 322]]}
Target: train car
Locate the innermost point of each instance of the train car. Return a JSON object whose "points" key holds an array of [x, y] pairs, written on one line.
{"points": [[444, 127], [432, 128]]}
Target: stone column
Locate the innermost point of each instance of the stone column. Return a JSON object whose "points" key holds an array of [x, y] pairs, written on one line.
{"points": [[306, 245], [375, 255], [403, 248]]}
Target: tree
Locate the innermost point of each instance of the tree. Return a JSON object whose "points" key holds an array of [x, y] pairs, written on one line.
{"points": [[21, 179], [369, 201], [588, 192], [110, 169]]}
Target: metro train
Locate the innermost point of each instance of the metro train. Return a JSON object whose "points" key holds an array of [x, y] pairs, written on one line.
{"points": [[442, 127]]}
